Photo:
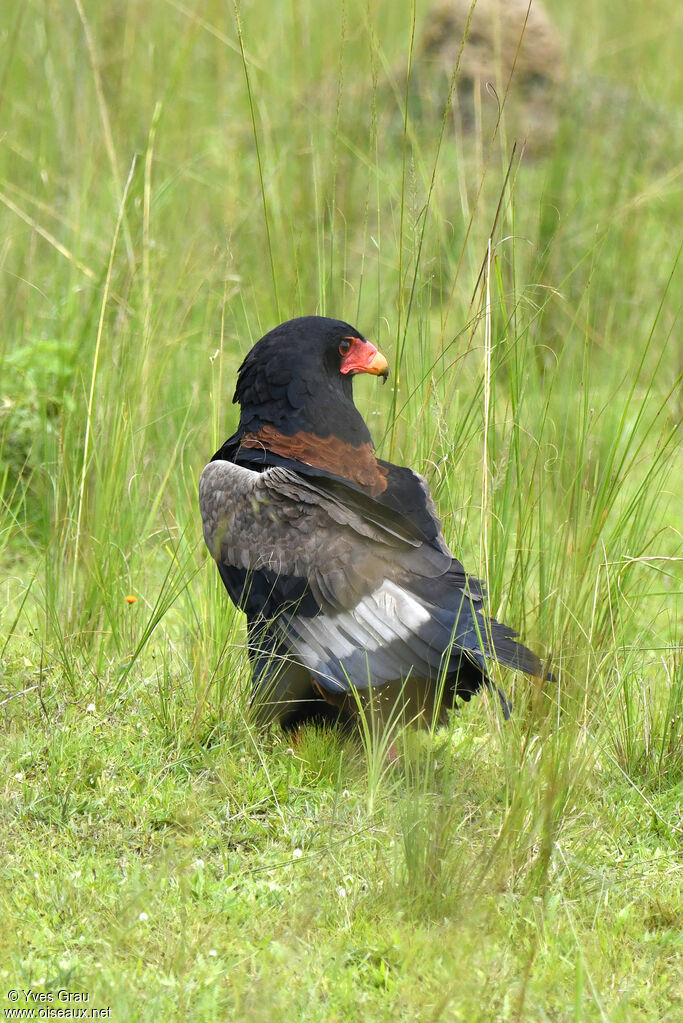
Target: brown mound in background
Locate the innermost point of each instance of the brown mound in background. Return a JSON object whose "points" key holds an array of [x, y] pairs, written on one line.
{"points": [[503, 35]]}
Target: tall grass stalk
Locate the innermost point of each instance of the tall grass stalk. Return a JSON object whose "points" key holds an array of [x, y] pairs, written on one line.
{"points": [[93, 375]]}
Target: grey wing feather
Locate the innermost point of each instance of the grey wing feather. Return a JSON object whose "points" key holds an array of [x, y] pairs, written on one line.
{"points": [[388, 607], [277, 520]]}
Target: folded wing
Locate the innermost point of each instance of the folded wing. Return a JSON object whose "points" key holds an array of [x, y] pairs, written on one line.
{"points": [[347, 590]]}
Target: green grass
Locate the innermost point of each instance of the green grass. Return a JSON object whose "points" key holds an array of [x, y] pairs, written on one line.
{"points": [[159, 852]]}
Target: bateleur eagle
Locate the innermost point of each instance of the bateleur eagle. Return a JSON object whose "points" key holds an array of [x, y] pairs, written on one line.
{"points": [[336, 556]]}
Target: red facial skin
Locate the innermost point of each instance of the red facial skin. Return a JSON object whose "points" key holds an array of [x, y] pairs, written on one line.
{"points": [[360, 356]]}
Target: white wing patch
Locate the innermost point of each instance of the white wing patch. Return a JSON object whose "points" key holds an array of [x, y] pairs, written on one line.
{"points": [[396, 603], [387, 617]]}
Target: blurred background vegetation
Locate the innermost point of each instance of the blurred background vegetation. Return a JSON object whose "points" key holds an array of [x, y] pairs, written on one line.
{"points": [[352, 225]]}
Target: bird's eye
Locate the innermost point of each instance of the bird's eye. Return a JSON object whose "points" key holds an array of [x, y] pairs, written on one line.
{"points": [[344, 346]]}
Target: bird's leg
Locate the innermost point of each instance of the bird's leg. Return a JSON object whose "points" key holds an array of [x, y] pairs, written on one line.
{"points": [[336, 699]]}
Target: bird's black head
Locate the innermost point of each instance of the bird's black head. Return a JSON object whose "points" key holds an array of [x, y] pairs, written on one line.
{"points": [[298, 377]]}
